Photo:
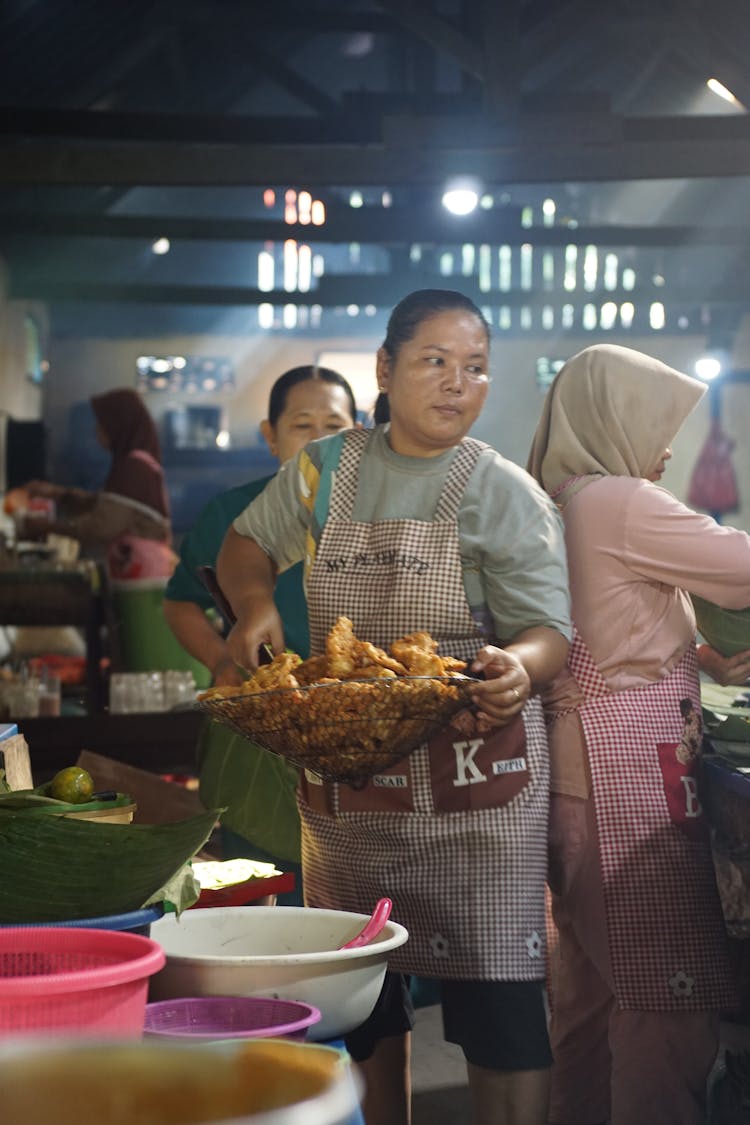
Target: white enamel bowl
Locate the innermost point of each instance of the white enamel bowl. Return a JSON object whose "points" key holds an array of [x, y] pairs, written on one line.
{"points": [[289, 952]]}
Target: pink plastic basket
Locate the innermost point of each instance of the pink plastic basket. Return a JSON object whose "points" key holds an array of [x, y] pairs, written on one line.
{"points": [[229, 1017], [88, 981]]}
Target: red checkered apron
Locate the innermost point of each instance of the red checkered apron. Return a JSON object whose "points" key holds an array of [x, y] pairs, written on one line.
{"points": [[455, 834], [666, 934]]}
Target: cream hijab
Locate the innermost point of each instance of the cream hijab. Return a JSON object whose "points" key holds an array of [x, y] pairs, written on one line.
{"points": [[610, 411]]}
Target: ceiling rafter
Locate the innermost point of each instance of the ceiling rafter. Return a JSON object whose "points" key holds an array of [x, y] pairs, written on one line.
{"points": [[602, 148], [421, 21], [385, 226], [342, 290]]}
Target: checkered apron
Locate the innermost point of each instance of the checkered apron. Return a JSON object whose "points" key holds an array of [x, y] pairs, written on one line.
{"points": [[454, 834], [666, 934]]}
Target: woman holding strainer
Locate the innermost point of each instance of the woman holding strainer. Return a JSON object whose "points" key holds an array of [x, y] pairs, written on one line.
{"points": [[416, 527]]}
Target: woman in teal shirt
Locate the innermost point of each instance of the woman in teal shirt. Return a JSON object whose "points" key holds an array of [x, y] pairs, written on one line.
{"points": [[256, 788]]}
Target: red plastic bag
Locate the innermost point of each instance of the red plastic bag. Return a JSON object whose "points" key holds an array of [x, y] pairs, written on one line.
{"points": [[713, 484]]}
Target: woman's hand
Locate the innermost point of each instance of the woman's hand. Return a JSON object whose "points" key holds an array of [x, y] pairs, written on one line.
{"points": [[506, 686], [724, 669], [225, 673], [257, 624]]}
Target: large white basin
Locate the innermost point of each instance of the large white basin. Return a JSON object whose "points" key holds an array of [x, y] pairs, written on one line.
{"points": [[284, 951]]}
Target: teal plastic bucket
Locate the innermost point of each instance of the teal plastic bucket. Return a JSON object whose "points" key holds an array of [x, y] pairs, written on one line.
{"points": [[144, 639]]}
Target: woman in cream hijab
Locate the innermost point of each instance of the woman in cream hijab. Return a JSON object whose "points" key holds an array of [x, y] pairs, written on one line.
{"points": [[640, 970]]}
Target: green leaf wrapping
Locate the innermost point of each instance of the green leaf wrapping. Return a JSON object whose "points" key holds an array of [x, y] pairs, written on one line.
{"points": [[55, 868], [726, 630]]}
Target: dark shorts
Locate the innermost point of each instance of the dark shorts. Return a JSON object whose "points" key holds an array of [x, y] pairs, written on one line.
{"points": [[499, 1025]]}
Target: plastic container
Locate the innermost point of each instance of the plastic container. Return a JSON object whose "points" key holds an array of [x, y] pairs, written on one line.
{"points": [[91, 982], [291, 952], [248, 1082], [146, 643], [205, 1018], [132, 922]]}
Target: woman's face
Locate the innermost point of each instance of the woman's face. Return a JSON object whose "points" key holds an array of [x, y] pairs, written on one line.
{"points": [[657, 473], [312, 410], [436, 384]]}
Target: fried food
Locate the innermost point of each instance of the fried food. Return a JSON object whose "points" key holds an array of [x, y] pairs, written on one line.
{"points": [[277, 674], [346, 653], [418, 653], [351, 711]]}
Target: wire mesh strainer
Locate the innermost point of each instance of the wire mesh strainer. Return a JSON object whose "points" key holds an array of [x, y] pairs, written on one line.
{"points": [[345, 730]]}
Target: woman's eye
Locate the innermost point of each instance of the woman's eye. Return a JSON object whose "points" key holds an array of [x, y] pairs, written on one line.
{"points": [[434, 360]]}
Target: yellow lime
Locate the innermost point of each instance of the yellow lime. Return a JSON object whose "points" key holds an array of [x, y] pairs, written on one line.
{"points": [[73, 784]]}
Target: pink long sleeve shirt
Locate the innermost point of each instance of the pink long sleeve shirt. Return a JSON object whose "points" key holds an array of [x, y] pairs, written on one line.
{"points": [[634, 554]]}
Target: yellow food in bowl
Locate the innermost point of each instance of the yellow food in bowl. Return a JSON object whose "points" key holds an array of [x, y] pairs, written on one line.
{"points": [[123, 1084]]}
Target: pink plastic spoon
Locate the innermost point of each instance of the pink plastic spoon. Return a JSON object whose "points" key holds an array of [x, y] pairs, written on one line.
{"points": [[372, 926]]}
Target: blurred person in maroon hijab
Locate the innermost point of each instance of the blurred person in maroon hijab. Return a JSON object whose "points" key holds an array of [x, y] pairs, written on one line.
{"points": [[129, 515]]}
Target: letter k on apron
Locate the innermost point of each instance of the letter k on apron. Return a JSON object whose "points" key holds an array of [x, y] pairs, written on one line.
{"points": [[454, 834]]}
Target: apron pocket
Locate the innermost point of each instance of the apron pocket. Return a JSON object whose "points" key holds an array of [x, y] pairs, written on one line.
{"points": [[472, 769]]}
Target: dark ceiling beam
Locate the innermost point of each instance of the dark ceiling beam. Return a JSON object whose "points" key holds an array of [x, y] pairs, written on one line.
{"points": [[383, 226], [282, 17], [201, 128], [346, 289], [98, 82], [637, 148], [500, 37], [421, 20], [279, 72]]}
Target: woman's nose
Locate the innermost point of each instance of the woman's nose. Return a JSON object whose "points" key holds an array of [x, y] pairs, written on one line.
{"points": [[453, 377]]}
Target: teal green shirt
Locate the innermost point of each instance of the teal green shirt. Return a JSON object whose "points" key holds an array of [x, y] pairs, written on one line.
{"points": [[201, 546], [256, 787]]}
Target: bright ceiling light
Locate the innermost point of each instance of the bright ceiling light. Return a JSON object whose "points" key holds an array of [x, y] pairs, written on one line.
{"points": [[160, 246], [461, 197], [721, 90], [708, 367]]}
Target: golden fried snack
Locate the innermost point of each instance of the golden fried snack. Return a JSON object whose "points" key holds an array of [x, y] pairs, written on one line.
{"points": [[277, 674], [370, 672], [340, 648], [312, 670], [223, 691], [417, 661]]}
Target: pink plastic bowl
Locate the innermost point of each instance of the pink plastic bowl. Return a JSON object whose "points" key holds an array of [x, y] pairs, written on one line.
{"points": [[229, 1017], [80, 980]]}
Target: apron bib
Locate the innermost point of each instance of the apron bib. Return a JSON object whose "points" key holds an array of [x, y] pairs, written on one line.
{"points": [[455, 833], [666, 934]]}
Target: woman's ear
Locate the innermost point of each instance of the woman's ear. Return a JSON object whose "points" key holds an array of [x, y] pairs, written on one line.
{"points": [[268, 436], [383, 370]]}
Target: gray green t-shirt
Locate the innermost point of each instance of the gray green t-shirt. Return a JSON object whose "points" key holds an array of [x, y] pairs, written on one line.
{"points": [[510, 534]]}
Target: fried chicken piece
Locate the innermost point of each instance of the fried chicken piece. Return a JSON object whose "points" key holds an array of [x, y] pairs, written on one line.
{"points": [[418, 651], [371, 672], [340, 648], [346, 653], [312, 670], [418, 661], [277, 674]]}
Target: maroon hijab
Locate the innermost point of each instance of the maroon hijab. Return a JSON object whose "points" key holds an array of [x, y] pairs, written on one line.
{"points": [[133, 441]]}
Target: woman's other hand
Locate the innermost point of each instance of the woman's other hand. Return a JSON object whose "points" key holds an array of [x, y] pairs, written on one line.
{"points": [[225, 673], [506, 686], [259, 624], [724, 669]]}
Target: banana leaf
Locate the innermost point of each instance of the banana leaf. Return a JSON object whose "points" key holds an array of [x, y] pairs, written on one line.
{"points": [[33, 801], [58, 869], [726, 630]]}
